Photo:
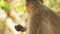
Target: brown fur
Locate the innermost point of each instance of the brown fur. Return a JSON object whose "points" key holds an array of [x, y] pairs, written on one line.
{"points": [[41, 1], [42, 19]]}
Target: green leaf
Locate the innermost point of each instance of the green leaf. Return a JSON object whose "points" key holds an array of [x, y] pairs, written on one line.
{"points": [[4, 8], [2, 3], [21, 8]]}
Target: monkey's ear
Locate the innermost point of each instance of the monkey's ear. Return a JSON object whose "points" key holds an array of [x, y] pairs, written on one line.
{"points": [[20, 28]]}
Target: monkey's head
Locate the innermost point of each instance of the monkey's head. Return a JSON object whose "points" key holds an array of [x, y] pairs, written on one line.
{"points": [[30, 3], [34, 0]]}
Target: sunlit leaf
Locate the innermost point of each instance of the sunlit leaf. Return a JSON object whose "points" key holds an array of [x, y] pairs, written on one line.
{"points": [[6, 6], [22, 8], [2, 3]]}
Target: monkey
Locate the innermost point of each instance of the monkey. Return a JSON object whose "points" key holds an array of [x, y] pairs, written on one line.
{"points": [[21, 28], [42, 20]]}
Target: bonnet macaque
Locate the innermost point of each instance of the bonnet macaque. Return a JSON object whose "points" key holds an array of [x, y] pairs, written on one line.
{"points": [[42, 20], [21, 28]]}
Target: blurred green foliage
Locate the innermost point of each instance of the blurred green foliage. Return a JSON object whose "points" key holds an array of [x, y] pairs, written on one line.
{"points": [[1, 24], [54, 4], [20, 6], [50, 3], [4, 5]]}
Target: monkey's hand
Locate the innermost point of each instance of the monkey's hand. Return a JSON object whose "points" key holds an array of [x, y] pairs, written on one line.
{"points": [[20, 28]]}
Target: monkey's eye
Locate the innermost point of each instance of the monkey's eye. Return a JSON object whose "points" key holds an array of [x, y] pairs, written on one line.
{"points": [[20, 28]]}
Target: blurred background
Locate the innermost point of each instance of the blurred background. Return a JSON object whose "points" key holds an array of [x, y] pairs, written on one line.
{"points": [[13, 12]]}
